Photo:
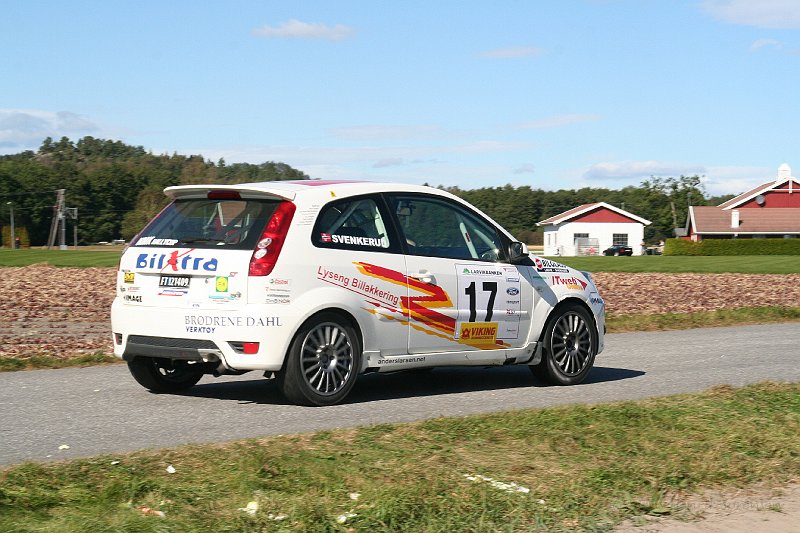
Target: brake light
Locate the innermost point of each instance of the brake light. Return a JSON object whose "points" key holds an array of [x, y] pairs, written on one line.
{"points": [[223, 195], [269, 245]]}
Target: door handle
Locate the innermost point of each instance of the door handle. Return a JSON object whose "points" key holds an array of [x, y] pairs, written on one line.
{"points": [[424, 276]]}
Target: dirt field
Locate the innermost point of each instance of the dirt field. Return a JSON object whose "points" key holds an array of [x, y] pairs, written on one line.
{"points": [[65, 311]]}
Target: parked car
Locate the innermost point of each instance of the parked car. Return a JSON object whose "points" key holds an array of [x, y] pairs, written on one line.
{"points": [[618, 250], [317, 282]]}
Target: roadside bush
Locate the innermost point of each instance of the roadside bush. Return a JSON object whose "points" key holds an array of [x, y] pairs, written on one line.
{"points": [[733, 247]]}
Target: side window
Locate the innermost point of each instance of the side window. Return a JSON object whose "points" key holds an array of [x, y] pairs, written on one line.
{"points": [[352, 224], [438, 228]]}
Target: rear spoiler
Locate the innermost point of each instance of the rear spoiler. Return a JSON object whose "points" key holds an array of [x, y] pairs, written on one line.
{"points": [[244, 190]]}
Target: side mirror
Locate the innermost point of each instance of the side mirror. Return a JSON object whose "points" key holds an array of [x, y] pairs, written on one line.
{"points": [[517, 251]]}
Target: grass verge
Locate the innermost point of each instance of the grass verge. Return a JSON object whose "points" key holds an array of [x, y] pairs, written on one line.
{"points": [[60, 258], [705, 319], [584, 468], [749, 264], [35, 362]]}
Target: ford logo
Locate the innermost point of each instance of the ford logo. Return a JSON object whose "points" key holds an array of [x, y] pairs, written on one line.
{"points": [[512, 291]]}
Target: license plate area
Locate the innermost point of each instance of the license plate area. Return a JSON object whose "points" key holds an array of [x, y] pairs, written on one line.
{"points": [[174, 281]]}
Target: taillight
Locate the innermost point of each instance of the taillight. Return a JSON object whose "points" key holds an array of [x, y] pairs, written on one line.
{"points": [[269, 245]]}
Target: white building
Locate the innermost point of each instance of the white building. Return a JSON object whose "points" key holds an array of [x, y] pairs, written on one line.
{"points": [[591, 228]]}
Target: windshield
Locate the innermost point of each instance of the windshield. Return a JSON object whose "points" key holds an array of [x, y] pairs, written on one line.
{"points": [[205, 223]]}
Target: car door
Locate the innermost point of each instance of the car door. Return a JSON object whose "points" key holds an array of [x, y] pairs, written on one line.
{"points": [[363, 267], [463, 295]]}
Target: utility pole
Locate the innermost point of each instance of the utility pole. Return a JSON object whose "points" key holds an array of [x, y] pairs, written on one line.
{"points": [[73, 214], [58, 218], [13, 233]]}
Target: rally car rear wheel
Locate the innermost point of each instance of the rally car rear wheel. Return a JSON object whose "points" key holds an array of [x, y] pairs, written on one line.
{"points": [[164, 375], [322, 363], [570, 345]]}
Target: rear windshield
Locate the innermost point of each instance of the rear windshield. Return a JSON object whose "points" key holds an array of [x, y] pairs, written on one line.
{"points": [[202, 223]]}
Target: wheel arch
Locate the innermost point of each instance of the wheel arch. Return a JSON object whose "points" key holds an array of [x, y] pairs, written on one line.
{"points": [[343, 313], [564, 303]]}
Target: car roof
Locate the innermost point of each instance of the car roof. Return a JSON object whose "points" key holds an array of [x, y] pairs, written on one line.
{"points": [[289, 190], [314, 191]]}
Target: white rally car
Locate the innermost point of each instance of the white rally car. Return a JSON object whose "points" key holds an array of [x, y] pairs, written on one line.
{"points": [[316, 282]]}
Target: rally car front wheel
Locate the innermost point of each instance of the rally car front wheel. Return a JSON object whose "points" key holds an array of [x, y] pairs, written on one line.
{"points": [[570, 345]]}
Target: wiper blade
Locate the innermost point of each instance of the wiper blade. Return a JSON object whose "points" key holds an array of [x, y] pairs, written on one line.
{"points": [[190, 240]]}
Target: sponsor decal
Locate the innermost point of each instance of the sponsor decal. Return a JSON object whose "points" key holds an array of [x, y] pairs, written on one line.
{"points": [[222, 284], [129, 277], [280, 301], [223, 321], [512, 291], [401, 360], [512, 274], [480, 332], [152, 241], [354, 241], [358, 285], [422, 305], [173, 292], [177, 261], [472, 271], [595, 299], [546, 265], [133, 298], [570, 282], [278, 281]]}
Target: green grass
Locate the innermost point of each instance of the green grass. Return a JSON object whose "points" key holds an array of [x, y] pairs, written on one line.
{"points": [[707, 319], [60, 258], [748, 264], [587, 468], [35, 362]]}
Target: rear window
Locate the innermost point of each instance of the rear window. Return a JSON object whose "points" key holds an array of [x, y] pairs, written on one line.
{"points": [[206, 223]]}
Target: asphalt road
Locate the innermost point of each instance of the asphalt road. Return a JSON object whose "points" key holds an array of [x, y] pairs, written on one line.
{"points": [[102, 410]]}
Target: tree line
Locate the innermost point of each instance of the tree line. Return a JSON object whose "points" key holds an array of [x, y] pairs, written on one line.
{"points": [[117, 188]]}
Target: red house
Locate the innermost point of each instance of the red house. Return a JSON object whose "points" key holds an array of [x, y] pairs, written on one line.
{"points": [[771, 210]]}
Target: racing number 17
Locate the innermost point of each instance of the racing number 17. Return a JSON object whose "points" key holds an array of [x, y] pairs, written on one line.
{"points": [[488, 286]]}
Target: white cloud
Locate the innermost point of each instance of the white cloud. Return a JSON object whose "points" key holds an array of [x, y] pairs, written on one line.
{"points": [[295, 29], [385, 132], [510, 53], [763, 43], [781, 14], [638, 170], [22, 129], [557, 121], [525, 169], [735, 180], [389, 162]]}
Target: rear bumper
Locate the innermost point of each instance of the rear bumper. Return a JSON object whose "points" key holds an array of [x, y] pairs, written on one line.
{"points": [[203, 334]]}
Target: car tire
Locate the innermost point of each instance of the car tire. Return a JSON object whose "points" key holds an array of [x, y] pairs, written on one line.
{"points": [[322, 363], [569, 346], [164, 375]]}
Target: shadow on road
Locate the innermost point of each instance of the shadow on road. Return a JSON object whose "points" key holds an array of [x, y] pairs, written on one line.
{"points": [[375, 387]]}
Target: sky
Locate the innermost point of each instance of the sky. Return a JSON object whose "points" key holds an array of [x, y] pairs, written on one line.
{"points": [[554, 94]]}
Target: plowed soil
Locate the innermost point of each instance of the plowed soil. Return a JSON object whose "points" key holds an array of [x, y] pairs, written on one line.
{"points": [[64, 312]]}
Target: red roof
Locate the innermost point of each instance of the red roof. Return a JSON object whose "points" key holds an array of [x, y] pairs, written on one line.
{"points": [[716, 220], [596, 212]]}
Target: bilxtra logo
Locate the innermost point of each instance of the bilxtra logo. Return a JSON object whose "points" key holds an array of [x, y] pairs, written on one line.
{"points": [[176, 261]]}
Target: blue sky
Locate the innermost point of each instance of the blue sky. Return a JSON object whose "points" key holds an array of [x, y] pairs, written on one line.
{"points": [[551, 94]]}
